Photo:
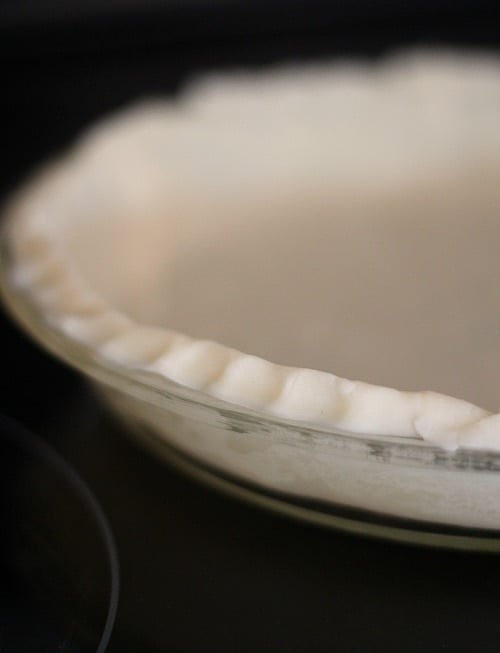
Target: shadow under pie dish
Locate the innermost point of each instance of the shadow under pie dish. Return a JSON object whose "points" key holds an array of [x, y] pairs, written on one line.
{"points": [[341, 221]]}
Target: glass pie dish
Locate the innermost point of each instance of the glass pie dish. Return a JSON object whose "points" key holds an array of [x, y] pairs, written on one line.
{"points": [[169, 220]]}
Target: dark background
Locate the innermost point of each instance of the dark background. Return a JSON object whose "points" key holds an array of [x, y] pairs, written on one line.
{"points": [[200, 572]]}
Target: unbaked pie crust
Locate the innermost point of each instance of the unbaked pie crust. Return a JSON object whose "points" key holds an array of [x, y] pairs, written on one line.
{"points": [[235, 165]]}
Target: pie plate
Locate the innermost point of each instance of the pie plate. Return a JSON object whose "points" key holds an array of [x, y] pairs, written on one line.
{"points": [[320, 219]]}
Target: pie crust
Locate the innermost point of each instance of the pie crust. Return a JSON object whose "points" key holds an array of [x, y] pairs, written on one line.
{"points": [[119, 167]]}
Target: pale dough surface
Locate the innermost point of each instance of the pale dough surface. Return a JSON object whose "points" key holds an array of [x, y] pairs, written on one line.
{"points": [[397, 290], [342, 222]]}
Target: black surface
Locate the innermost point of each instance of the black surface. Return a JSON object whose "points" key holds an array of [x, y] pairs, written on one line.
{"points": [[59, 574], [199, 571]]}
